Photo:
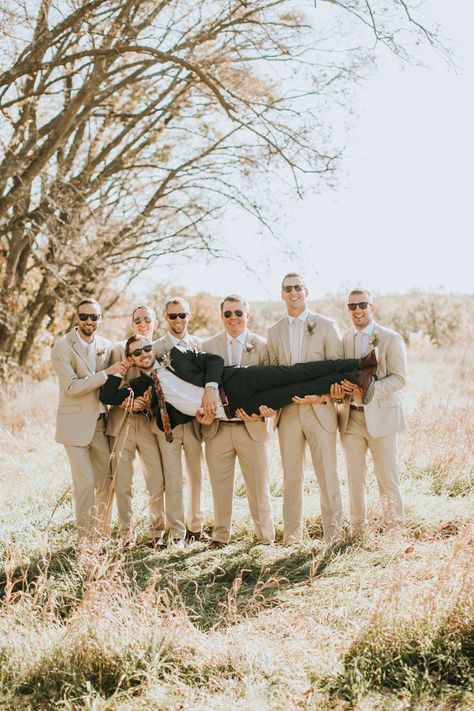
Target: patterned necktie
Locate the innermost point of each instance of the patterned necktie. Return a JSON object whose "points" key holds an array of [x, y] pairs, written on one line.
{"points": [[165, 419]]}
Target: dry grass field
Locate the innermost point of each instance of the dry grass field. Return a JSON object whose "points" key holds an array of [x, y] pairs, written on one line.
{"points": [[380, 622]]}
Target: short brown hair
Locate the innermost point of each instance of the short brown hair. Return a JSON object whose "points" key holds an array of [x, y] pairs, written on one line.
{"points": [[361, 289], [292, 274], [235, 297], [178, 301], [88, 301], [147, 308], [131, 340]]}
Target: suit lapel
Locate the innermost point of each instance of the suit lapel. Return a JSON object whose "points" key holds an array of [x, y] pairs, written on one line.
{"points": [[349, 344], [306, 337], [285, 339], [80, 350], [247, 354]]}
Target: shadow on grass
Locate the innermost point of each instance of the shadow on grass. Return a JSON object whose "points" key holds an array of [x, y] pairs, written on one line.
{"points": [[221, 589], [215, 588]]}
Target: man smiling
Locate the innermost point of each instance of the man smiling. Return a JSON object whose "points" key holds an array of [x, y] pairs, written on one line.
{"points": [[81, 361]]}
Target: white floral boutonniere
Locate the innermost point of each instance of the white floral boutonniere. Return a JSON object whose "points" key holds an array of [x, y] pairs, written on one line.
{"points": [[249, 346], [100, 351], [310, 326], [373, 340], [165, 361]]}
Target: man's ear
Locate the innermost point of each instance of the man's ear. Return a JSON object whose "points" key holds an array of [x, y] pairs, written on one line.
{"points": [[373, 308]]}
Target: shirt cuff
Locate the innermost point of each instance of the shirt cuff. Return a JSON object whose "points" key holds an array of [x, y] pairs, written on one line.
{"points": [[212, 385]]}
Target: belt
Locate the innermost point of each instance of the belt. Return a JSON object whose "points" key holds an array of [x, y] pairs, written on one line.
{"points": [[357, 408], [225, 402], [231, 422]]}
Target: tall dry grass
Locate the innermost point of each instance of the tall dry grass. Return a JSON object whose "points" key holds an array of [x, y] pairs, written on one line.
{"points": [[380, 622]]}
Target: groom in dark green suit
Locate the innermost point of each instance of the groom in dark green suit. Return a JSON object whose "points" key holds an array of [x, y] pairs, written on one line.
{"points": [[189, 382]]}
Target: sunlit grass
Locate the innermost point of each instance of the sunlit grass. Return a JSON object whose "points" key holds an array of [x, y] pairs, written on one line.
{"points": [[379, 622]]}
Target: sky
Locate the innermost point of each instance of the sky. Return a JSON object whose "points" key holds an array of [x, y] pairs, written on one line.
{"points": [[401, 214]]}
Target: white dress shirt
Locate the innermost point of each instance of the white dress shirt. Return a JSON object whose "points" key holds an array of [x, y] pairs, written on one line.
{"points": [[181, 342], [296, 326], [185, 397], [361, 340], [240, 342]]}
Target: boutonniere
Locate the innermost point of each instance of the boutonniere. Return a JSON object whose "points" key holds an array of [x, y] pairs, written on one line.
{"points": [[165, 361], [310, 326], [373, 340], [249, 346], [100, 351]]}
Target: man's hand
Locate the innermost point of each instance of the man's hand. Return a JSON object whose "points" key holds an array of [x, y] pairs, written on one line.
{"points": [[208, 403], [267, 411], [311, 399], [337, 392], [204, 419], [242, 415], [350, 388], [119, 368]]}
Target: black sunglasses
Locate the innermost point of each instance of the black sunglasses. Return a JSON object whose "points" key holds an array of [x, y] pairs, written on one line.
{"points": [[93, 317], [173, 317], [360, 305], [138, 351], [237, 312], [296, 287]]}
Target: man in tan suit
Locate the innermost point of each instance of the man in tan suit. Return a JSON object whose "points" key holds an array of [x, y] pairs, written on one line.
{"points": [[186, 438], [81, 361], [130, 431], [375, 425], [299, 337], [247, 440]]}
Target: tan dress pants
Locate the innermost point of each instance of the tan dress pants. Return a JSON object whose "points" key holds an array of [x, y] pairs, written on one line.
{"points": [[136, 436], [90, 468], [231, 441], [355, 442], [297, 426]]}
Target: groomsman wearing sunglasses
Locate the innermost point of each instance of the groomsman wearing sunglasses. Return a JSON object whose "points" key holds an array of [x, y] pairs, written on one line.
{"points": [[81, 361], [245, 439], [130, 431], [299, 337], [373, 426], [186, 438]]}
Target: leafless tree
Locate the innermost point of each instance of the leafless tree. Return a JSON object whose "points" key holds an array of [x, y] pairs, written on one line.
{"points": [[128, 126]]}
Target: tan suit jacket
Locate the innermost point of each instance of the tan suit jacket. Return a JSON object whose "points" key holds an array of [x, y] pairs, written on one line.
{"points": [[321, 341], [165, 344], [255, 354], [384, 414], [78, 408]]}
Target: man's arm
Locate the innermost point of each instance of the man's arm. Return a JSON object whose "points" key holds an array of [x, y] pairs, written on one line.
{"points": [[68, 378], [112, 394], [396, 367], [211, 365]]}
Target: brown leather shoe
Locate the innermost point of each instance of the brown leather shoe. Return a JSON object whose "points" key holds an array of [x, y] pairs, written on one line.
{"points": [[216, 545], [369, 360], [365, 379]]}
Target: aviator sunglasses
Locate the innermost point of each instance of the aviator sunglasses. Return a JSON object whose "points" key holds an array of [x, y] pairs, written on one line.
{"points": [[290, 287], [360, 305], [237, 312], [93, 317], [138, 351], [138, 321], [173, 317]]}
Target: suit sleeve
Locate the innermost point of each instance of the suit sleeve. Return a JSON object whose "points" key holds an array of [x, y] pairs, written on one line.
{"points": [[115, 390], [211, 365], [333, 348], [396, 362], [68, 379], [272, 351]]}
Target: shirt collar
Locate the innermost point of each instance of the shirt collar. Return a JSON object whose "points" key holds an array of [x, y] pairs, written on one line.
{"points": [[368, 330], [85, 343], [175, 340], [302, 317], [241, 339]]}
